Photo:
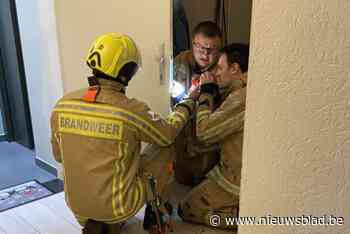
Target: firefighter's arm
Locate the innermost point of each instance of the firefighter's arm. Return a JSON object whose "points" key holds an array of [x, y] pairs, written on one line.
{"points": [[180, 73], [55, 139], [155, 130], [212, 127]]}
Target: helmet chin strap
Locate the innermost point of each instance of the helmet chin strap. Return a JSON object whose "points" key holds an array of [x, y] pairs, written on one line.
{"points": [[93, 81], [123, 80], [101, 75]]}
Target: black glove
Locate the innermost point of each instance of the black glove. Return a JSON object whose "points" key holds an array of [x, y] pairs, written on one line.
{"points": [[150, 219], [212, 89]]}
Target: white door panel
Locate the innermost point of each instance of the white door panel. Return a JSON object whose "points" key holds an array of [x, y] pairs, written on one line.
{"points": [[147, 22]]}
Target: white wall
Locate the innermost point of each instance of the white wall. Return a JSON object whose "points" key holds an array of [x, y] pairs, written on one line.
{"points": [[37, 27], [297, 135], [54, 62]]}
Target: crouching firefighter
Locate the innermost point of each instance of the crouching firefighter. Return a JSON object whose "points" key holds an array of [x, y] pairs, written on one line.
{"points": [[218, 194], [97, 134]]}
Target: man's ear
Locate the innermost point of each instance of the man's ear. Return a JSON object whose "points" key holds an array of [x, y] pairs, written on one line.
{"points": [[234, 68]]}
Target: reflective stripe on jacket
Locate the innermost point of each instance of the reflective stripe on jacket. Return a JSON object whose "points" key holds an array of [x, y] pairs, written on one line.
{"points": [[224, 126], [99, 145]]}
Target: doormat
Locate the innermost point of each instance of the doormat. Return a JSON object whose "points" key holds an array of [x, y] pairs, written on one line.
{"points": [[22, 194]]}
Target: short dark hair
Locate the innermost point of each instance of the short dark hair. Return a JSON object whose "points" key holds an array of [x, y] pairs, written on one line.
{"points": [[237, 53], [207, 28]]}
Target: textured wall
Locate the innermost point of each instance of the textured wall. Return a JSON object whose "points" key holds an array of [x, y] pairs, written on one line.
{"points": [[297, 137]]}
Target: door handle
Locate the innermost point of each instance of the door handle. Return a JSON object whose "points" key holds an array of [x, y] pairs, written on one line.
{"points": [[161, 70], [161, 62]]}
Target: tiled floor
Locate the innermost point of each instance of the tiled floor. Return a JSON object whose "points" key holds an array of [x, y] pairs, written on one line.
{"points": [[52, 216], [45, 216], [17, 165]]}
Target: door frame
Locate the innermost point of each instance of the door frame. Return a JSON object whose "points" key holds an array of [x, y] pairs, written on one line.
{"points": [[23, 94], [22, 73], [5, 110]]}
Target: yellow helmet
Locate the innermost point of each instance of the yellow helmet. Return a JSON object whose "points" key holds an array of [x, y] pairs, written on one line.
{"points": [[110, 52]]}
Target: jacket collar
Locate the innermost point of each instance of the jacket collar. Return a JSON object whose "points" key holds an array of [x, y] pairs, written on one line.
{"points": [[236, 84], [112, 85]]}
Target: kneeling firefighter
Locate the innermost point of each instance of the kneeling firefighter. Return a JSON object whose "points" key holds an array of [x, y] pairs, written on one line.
{"points": [[97, 134]]}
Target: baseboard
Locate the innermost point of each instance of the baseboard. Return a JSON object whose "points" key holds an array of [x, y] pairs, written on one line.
{"points": [[3, 138], [55, 185], [46, 166]]}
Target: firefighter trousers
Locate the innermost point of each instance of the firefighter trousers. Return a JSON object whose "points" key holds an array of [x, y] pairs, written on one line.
{"points": [[209, 200]]}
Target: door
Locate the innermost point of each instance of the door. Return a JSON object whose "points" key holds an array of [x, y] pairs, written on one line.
{"points": [[3, 100], [16, 121], [147, 22]]}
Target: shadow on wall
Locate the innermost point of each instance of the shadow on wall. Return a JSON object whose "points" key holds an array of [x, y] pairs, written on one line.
{"points": [[238, 16]]}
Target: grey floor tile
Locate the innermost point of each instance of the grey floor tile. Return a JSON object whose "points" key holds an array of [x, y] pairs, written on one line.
{"points": [[17, 165]]}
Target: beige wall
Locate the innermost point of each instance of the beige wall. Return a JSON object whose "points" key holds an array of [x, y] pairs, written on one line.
{"points": [[238, 16], [44, 52], [147, 22], [297, 135]]}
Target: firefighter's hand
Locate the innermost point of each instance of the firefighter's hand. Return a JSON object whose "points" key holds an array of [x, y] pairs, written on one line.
{"points": [[194, 92], [195, 77], [208, 85], [206, 78]]}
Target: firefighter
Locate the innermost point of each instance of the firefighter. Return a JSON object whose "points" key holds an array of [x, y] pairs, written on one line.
{"points": [[190, 64], [193, 159], [97, 134], [218, 194]]}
